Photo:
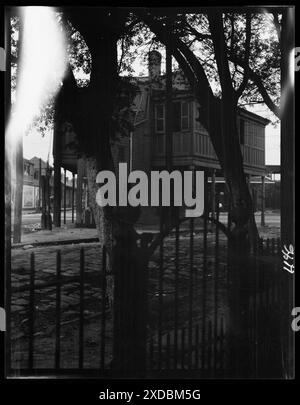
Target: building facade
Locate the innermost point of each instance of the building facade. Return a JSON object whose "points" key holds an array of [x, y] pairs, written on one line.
{"points": [[32, 195], [192, 147]]}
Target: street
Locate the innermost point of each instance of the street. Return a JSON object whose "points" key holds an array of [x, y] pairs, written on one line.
{"points": [[271, 218], [34, 218]]}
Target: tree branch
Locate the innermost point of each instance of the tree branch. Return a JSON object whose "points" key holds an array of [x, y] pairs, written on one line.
{"points": [[232, 33], [217, 31], [122, 56], [259, 84], [197, 34]]}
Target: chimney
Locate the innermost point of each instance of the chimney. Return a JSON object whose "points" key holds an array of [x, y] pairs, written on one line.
{"points": [[154, 65]]}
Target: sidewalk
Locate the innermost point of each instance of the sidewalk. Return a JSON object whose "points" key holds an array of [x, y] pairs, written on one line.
{"points": [[63, 235], [70, 234]]}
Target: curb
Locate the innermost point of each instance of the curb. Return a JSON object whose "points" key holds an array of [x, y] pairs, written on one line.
{"points": [[55, 243]]}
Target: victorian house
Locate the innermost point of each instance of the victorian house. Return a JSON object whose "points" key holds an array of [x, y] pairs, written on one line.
{"points": [[145, 148]]}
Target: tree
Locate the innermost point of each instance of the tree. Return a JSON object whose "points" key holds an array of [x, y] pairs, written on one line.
{"points": [[223, 132], [99, 112]]}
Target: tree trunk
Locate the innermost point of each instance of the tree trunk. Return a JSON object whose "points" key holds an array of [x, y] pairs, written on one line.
{"points": [[226, 141], [103, 220], [93, 124], [219, 118]]}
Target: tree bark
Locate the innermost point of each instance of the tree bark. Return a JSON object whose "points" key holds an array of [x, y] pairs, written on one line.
{"points": [[90, 111], [230, 143], [103, 220]]}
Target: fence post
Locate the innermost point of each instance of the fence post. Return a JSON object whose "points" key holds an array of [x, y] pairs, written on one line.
{"points": [[73, 196], [58, 310], [81, 310], [263, 197], [44, 213], [239, 265], [31, 311], [130, 300], [103, 309], [65, 196], [57, 172]]}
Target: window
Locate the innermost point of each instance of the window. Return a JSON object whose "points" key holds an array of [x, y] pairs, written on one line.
{"points": [[26, 169], [242, 131], [184, 115], [176, 112], [159, 118], [180, 116]]}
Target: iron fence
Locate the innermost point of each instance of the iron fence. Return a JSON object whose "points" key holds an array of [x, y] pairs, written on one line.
{"points": [[188, 315]]}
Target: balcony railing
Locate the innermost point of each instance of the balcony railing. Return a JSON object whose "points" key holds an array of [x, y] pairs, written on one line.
{"points": [[198, 145]]}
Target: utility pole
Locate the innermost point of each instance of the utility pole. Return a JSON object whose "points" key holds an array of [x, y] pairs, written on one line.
{"points": [[48, 192], [44, 211], [19, 165], [80, 172], [213, 193], [65, 196], [168, 125], [73, 196], [57, 173], [40, 183], [263, 197]]}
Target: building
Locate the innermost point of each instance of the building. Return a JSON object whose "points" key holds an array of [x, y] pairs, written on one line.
{"points": [[30, 186], [192, 148], [191, 143], [145, 148], [33, 169]]}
